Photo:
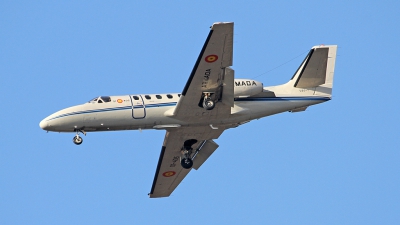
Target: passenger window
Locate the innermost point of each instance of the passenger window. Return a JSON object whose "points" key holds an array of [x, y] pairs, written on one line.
{"points": [[147, 96], [169, 96], [136, 97], [158, 97]]}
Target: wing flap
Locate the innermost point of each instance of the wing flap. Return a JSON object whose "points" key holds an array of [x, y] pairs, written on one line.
{"points": [[228, 88], [204, 153]]}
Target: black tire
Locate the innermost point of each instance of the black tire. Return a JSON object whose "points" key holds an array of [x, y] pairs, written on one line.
{"points": [[187, 163], [208, 104], [77, 140]]}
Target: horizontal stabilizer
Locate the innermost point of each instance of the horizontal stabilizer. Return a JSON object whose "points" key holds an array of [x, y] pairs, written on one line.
{"points": [[301, 109]]}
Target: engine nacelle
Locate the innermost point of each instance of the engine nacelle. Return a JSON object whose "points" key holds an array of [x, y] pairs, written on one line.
{"points": [[246, 87]]}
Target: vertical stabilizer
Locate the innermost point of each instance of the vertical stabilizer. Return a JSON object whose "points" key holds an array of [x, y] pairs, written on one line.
{"points": [[316, 72]]}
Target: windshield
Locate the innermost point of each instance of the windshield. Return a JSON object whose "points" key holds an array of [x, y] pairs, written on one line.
{"points": [[93, 100], [101, 99], [106, 98]]}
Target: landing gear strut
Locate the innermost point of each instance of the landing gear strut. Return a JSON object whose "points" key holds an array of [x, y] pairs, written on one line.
{"points": [[186, 160], [78, 139]]}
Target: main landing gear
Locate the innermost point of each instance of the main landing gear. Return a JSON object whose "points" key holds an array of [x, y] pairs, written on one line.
{"points": [[208, 103], [78, 139], [186, 160], [187, 163]]}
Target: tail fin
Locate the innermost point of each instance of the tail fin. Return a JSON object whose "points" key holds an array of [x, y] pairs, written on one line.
{"points": [[316, 72]]}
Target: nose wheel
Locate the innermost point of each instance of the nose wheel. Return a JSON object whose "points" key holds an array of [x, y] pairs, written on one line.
{"points": [[78, 139]]}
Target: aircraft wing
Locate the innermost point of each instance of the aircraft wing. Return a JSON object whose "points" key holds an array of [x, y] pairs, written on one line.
{"points": [[169, 172], [210, 74]]}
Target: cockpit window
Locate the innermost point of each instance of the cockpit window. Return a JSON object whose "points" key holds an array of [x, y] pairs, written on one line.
{"points": [[106, 98], [101, 99], [93, 100]]}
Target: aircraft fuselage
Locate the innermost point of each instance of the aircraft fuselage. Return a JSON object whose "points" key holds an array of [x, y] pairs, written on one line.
{"points": [[132, 112]]}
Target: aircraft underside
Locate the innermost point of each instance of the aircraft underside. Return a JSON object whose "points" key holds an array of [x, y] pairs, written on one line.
{"points": [[211, 102]]}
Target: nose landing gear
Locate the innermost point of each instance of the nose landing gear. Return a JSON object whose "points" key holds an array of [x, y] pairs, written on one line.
{"points": [[78, 139]]}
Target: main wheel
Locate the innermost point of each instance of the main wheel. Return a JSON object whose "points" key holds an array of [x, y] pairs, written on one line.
{"points": [[77, 140], [187, 163], [208, 104]]}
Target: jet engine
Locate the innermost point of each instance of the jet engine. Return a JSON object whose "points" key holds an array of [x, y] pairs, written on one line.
{"points": [[246, 88]]}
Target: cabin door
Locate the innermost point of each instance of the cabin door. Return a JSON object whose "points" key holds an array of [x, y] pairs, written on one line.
{"points": [[138, 107]]}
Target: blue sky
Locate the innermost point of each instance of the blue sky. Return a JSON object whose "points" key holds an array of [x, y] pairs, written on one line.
{"points": [[336, 163]]}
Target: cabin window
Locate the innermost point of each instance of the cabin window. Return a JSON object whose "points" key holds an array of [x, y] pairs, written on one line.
{"points": [[100, 101], [179, 95], [147, 96], [169, 96], [135, 97], [158, 97]]}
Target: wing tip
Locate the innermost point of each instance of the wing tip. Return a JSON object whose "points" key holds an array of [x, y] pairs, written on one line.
{"points": [[157, 196], [221, 23], [323, 46]]}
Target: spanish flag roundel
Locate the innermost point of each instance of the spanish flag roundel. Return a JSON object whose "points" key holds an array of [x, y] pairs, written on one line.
{"points": [[211, 58], [169, 173]]}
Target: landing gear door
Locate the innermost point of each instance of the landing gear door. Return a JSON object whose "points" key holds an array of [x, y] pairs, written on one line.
{"points": [[138, 107]]}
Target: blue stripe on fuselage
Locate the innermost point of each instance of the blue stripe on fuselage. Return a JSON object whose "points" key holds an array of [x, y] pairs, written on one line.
{"points": [[250, 99], [91, 111]]}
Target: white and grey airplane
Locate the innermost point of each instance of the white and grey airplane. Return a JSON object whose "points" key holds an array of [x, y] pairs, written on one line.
{"points": [[211, 102]]}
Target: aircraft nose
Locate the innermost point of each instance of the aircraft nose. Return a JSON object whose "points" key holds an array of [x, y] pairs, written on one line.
{"points": [[43, 124]]}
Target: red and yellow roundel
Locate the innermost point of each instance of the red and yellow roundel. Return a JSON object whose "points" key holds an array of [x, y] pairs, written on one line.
{"points": [[119, 101], [211, 58], [169, 173]]}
